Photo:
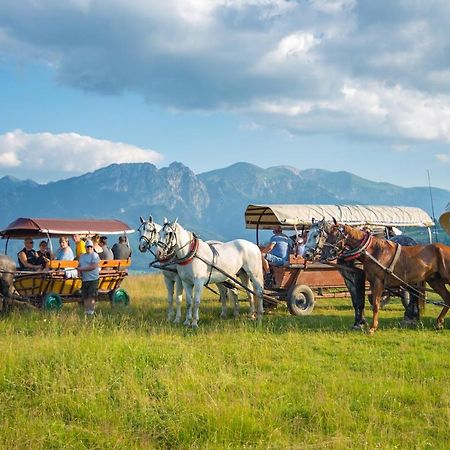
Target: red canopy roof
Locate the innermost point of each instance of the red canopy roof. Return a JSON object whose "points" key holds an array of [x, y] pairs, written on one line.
{"points": [[30, 226]]}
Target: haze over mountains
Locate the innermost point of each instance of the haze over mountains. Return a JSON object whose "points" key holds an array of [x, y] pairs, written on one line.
{"points": [[211, 203]]}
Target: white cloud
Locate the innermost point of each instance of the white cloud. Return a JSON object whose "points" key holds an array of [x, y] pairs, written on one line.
{"points": [[322, 66], [56, 156], [443, 158]]}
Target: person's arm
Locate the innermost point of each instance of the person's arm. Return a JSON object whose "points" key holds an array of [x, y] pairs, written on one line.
{"points": [[268, 248]]}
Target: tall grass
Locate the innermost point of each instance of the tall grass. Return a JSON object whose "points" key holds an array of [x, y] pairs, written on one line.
{"points": [[128, 379]]}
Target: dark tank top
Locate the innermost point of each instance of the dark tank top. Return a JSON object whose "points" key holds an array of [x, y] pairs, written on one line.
{"points": [[31, 257]]}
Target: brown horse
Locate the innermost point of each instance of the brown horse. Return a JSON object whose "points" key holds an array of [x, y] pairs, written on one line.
{"points": [[384, 261]]}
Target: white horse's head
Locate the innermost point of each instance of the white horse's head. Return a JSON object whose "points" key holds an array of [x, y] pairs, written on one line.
{"points": [[172, 238], [148, 234]]}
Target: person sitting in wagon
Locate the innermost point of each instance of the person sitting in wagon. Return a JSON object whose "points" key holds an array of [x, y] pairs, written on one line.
{"points": [[27, 257], [64, 253], [276, 253], [43, 254], [80, 247]]}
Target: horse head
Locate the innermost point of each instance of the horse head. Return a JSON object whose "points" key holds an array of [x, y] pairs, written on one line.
{"points": [[148, 234], [335, 242], [316, 239], [167, 243], [173, 238]]}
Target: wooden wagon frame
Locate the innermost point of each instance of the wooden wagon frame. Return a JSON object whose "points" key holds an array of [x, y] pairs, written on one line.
{"points": [[299, 283], [58, 282]]}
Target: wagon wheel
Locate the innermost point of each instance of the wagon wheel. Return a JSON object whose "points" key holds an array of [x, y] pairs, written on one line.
{"points": [[300, 300], [51, 301], [119, 296]]}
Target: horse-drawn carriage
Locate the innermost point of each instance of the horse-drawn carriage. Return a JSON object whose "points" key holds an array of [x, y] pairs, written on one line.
{"points": [[58, 282], [299, 282]]}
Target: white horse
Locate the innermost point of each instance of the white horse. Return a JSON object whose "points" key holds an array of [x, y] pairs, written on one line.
{"points": [[199, 264], [149, 237]]}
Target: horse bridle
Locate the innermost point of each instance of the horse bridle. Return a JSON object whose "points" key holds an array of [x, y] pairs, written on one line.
{"points": [[148, 242], [168, 248], [337, 248]]}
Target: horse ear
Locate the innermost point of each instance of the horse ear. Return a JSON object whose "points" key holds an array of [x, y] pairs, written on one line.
{"points": [[313, 221], [165, 221], [142, 219], [175, 221], [335, 221], [150, 218]]}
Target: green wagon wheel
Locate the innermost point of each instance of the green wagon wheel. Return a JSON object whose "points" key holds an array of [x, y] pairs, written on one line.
{"points": [[119, 296], [51, 301]]}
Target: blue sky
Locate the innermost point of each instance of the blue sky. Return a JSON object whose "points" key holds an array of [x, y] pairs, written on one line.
{"points": [[350, 85]]}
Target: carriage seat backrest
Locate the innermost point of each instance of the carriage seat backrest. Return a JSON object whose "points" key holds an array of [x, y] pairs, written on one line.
{"points": [[57, 265], [104, 264], [115, 263]]}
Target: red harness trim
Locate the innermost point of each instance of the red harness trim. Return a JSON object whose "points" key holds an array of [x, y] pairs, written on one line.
{"points": [[191, 255], [356, 253]]}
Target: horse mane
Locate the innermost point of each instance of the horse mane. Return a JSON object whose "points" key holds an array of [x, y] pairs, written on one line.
{"points": [[377, 243]]}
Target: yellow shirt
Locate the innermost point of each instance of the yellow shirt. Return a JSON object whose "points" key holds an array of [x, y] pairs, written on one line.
{"points": [[80, 248]]}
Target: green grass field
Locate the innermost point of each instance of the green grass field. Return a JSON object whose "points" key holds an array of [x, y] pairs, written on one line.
{"points": [[128, 379]]}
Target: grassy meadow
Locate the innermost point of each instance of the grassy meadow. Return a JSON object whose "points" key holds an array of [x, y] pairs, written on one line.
{"points": [[128, 379]]}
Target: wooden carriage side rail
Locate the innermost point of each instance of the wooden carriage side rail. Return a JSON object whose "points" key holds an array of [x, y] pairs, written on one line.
{"points": [[53, 279]]}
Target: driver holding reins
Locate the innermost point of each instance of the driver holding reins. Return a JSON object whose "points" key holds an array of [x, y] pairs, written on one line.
{"points": [[276, 253]]}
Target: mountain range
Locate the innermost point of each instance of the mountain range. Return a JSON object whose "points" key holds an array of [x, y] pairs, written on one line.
{"points": [[211, 203]]}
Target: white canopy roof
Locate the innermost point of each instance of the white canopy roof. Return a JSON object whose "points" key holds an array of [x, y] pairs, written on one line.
{"points": [[266, 216], [444, 220]]}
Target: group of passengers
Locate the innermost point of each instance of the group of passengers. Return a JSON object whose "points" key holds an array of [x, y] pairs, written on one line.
{"points": [[30, 259]]}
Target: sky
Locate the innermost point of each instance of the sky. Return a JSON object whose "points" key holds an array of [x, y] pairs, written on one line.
{"points": [[361, 86]]}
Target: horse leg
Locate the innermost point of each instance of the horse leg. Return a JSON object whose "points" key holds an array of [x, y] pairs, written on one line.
{"points": [[377, 291], [412, 310], [438, 285], [178, 298], [170, 284], [258, 289], [188, 290], [223, 291], [233, 294], [355, 282], [198, 289]]}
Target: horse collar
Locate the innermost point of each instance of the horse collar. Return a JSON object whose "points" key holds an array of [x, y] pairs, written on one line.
{"points": [[191, 253], [355, 253]]}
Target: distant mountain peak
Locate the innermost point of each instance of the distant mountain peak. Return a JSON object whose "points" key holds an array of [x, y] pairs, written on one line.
{"points": [[291, 169]]}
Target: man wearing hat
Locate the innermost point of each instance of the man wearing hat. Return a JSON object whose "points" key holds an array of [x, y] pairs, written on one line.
{"points": [[88, 267]]}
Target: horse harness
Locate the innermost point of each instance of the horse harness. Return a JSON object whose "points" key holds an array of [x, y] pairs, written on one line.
{"points": [[352, 254]]}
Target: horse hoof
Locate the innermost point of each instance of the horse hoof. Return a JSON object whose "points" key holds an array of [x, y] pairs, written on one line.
{"points": [[187, 323], [409, 323], [372, 331], [194, 325], [223, 315], [177, 321], [358, 327], [439, 325]]}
